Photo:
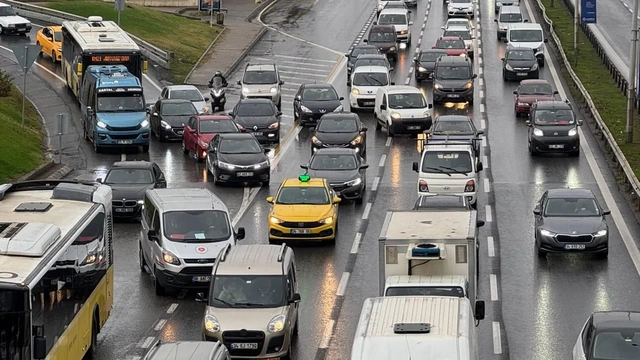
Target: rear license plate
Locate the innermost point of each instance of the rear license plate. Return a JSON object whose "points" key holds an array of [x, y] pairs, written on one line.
{"points": [[124, 209], [300, 231], [258, 133], [561, 146], [521, 74], [574, 247], [368, 103], [454, 95], [245, 174], [413, 127], [247, 346], [125, 142], [201, 278]]}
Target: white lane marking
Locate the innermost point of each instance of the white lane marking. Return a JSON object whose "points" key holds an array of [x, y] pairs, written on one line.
{"points": [[421, 33], [123, 157], [481, 106], [493, 285], [479, 40], [172, 308], [484, 142], [147, 342], [407, 81], [483, 124], [487, 185], [160, 324], [478, 33], [388, 142], [301, 68], [479, 51], [497, 340], [383, 158], [326, 335], [487, 215], [419, 42], [411, 69], [246, 201], [342, 286], [480, 71], [481, 93], [491, 247], [376, 182], [40, 66], [137, 357], [367, 210], [285, 77], [480, 61], [485, 161], [356, 243], [424, 25], [481, 82], [151, 81]]}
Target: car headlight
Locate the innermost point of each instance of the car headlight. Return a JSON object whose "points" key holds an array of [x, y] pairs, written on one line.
{"points": [[140, 202], [437, 86], [100, 124], [357, 140], [226, 165], [355, 91], [395, 115], [315, 141], [211, 323], [274, 89], [202, 144], [538, 132], [274, 125], [427, 114], [144, 123], [601, 233], [275, 220], [470, 8], [327, 221], [169, 258], [535, 66], [544, 232], [421, 69], [468, 85], [59, 49], [11, 25], [508, 67], [165, 125], [522, 104], [393, 48], [91, 259], [245, 90], [355, 182], [338, 109], [501, 27], [305, 109], [573, 132], [276, 324], [402, 32], [261, 165]]}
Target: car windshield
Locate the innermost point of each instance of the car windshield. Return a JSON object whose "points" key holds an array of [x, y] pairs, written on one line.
{"points": [[370, 79], [430, 56], [511, 18], [191, 95], [120, 102], [454, 291], [392, 19], [616, 345], [337, 125], [196, 226], [129, 176], [461, 2], [57, 36], [293, 195], [333, 162], [371, 62], [453, 73], [178, 109], [7, 11], [465, 35], [453, 127], [319, 94], [554, 117], [457, 22], [259, 77], [520, 55], [362, 50], [240, 146], [217, 126], [382, 37], [255, 109], [571, 207], [248, 291], [446, 162], [407, 101], [451, 44], [536, 89], [525, 35]]}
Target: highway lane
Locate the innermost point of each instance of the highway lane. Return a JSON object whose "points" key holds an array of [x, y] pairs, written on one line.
{"points": [[614, 22]]}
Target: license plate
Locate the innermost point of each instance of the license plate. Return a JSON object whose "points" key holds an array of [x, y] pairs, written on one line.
{"points": [[556, 146], [124, 209], [521, 74], [125, 142], [300, 231], [258, 133], [413, 127], [574, 246], [368, 103], [201, 278], [454, 95], [248, 346], [245, 174]]}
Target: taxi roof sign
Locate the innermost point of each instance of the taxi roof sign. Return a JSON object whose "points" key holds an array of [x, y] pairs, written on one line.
{"points": [[304, 177]]}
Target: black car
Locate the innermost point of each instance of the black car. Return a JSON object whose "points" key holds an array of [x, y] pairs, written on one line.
{"points": [[169, 117], [570, 220], [237, 158], [518, 64], [425, 63], [343, 169], [609, 335], [456, 128], [553, 128], [442, 202], [128, 181], [340, 130], [357, 51], [259, 117], [386, 39], [373, 60], [314, 100], [453, 79]]}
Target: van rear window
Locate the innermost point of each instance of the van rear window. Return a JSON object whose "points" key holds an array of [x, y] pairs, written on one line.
{"points": [[529, 35], [455, 291]]}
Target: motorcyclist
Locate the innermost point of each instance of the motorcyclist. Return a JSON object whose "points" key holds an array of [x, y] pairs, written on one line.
{"points": [[218, 74]]}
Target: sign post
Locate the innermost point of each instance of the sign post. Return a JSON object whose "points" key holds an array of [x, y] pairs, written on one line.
{"points": [[26, 55], [631, 92], [588, 13], [61, 127], [119, 6]]}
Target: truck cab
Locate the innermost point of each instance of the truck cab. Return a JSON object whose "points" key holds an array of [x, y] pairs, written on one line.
{"points": [[424, 285], [113, 108]]}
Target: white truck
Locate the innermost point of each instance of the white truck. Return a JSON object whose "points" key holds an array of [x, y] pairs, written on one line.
{"points": [[11, 23]]}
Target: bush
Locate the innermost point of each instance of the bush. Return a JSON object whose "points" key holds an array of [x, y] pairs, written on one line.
{"points": [[6, 83]]}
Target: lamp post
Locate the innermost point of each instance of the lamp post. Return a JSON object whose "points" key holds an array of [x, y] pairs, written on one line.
{"points": [[632, 90]]}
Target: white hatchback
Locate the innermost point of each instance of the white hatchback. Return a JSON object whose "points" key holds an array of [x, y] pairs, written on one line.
{"points": [[365, 82], [461, 8]]}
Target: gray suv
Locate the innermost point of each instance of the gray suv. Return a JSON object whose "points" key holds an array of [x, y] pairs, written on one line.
{"points": [[262, 81], [252, 307]]}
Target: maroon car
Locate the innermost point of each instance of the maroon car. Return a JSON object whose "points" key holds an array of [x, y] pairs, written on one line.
{"points": [[531, 91], [452, 45]]}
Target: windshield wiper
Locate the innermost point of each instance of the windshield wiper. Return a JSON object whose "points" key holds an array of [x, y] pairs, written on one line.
{"points": [[249, 304], [436, 169], [455, 171], [222, 301]]}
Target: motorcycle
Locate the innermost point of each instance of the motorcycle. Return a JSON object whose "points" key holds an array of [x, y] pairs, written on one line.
{"points": [[218, 94]]}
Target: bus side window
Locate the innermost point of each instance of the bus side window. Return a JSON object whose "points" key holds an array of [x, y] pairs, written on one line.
{"points": [[92, 95]]}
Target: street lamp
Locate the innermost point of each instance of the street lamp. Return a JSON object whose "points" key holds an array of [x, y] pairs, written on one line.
{"points": [[632, 90]]}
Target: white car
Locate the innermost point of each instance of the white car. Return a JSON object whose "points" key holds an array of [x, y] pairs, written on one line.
{"points": [[11, 23], [186, 92], [382, 3], [402, 109], [465, 34], [609, 335], [365, 82], [399, 18], [458, 23], [461, 8]]}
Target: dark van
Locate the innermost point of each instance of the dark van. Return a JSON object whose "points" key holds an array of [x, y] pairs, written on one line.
{"points": [[453, 80], [386, 39]]}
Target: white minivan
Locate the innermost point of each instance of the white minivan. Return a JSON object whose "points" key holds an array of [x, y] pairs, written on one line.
{"points": [[399, 18], [364, 83], [402, 109], [527, 35]]}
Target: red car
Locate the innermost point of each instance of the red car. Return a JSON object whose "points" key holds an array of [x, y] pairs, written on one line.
{"points": [[529, 92], [199, 131], [452, 45]]}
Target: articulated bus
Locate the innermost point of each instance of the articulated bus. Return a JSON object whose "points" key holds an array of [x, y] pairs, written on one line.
{"points": [[97, 42], [56, 268]]}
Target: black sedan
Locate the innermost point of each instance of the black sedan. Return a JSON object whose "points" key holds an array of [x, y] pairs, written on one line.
{"points": [[442, 202], [259, 117], [553, 128], [314, 100], [169, 116], [343, 169], [425, 63], [340, 130], [237, 158], [355, 52], [570, 220], [456, 128], [128, 181], [518, 64]]}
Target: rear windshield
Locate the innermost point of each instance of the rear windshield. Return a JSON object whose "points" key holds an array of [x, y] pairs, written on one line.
{"points": [[455, 291], [511, 18], [360, 51], [451, 44], [392, 19], [465, 35], [382, 37], [533, 35], [430, 56]]}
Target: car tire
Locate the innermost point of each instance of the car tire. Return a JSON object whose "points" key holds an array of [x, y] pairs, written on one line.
{"points": [[141, 259], [418, 81], [541, 253], [498, 36], [604, 254], [214, 179], [266, 182], [184, 148], [287, 356], [575, 153], [532, 152], [54, 58], [85, 133], [279, 106], [360, 199], [158, 288], [390, 132], [96, 147], [145, 148], [504, 76], [474, 206]]}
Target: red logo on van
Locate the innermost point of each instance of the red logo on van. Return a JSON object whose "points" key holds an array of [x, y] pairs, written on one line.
{"points": [[201, 249]]}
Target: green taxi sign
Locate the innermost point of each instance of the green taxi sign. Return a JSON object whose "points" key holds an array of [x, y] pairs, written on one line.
{"points": [[304, 177]]}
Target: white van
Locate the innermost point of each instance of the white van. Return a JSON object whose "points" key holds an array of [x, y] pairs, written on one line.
{"points": [[417, 327], [399, 18], [527, 35], [183, 230], [402, 109], [508, 15], [365, 82]]}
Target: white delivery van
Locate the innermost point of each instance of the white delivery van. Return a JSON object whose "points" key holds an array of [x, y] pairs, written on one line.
{"points": [[402, 109], [365, 82], [399, 18], [527, 35]]}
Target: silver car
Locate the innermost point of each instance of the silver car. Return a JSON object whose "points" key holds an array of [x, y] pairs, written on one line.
{"points": [[461, 8], [262, 81]]}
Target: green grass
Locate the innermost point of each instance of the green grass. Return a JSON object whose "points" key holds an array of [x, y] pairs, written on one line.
{"points": [[20, 149], [187, 39], [595, 77]]}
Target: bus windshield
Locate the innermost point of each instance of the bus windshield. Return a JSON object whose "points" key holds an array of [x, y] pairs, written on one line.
{"points": [[115, 102]]}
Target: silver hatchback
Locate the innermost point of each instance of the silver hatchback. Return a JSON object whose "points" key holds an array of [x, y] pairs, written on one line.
{"points": [[262, 81]]}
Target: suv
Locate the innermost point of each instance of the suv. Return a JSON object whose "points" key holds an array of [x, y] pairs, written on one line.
{"points": [[187, 350], [11, 23], [262, 81], [453, 80], [253, 303], [553, 128], [386, 39]]}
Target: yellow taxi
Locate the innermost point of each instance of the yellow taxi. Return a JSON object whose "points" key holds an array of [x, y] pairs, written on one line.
{"points": [[303, 209], [50, 38]]}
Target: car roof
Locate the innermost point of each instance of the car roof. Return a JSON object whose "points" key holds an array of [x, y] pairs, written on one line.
{"points": [[181, 87], [613, 320], [518, 48], [3, 4], [184, 350], [213, 117], [402, 89], [255, 101], [371, 69], [371, 56], [534, 81], [336, 151], [453, 118], [458, 28], [437, 51], [394, 11], [454, 60], [174, 101], [569, 193], [382, 28], [236, 136], [365, 46], [552, 104], [510, 10], [315, 86], [295, 182], [254, 259], [525, 26], [183, 199], [450, 38], [260, 67], [133, 164], [339, 115]]}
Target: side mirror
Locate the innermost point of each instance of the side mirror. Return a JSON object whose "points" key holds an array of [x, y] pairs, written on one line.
{"points": [[515, 92], [364, 129], [502, 59], [409, 11], [298, 97], [383, 107], [99, 180], [480, 132], [375, 23], [429, 106], [580, 122], [536, 211], [606, 212], [556, 92], [505, 40], [410, 22], [306, 167], [415, 166], [212, 150], [546, 41], [528, 122], [279, 113], [480, 310], [365, 40], [266, 151], [526, 20], [348, 83], [346, 55], [416, 61], [155, 114], [443, 28], [495, 20], [474, 76], [240, 234], [281, 82], [393, 83], [193, 131], [148, 110], [480, 223], [336, 200], [90, 111], [295, 298], [364, 166], [480, 166], [232, 114], [239, 82], [270, 199], [152, 235], [39, 347], [341, 98]]}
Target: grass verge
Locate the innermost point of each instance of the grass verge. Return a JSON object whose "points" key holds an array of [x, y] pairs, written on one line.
{"points": [[187, 39], [20, 149], [595, 77]]}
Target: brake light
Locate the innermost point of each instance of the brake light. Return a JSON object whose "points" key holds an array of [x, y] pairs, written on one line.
{"points": [[470, 186], [422, 186]]}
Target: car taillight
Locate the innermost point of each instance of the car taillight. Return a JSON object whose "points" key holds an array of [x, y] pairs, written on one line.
{"points": [[470, 186], [422, 186]]}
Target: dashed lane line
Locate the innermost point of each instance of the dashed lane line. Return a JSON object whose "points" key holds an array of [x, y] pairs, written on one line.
{"points": [[485, 161], [497, 340], [367, 210], [487, 185], [493, 286], [376, 182], [383, 158], [491, 247], [147, 342], [483, 123], [161, 323], [407, 81], [326, 335], [172, 308], [487, 215], [342, 286], [356, 243], [481, 93], [482, 108], [388, 142], [123, 157]]}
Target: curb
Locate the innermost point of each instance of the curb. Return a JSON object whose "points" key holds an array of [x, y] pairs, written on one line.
{"points": [[205, 53], [258, 9], [35, 173], [60, 173], [240, 58]]}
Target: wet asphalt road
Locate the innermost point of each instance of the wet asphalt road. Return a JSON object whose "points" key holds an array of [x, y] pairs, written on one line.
{"points": [[537, 306], [614, 22]]}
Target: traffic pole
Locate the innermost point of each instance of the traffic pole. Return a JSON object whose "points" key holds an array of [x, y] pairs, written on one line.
{"points": [[632, 88]]}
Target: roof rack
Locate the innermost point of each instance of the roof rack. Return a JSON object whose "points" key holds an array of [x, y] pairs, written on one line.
{"points": [[225, 252], [411, 328], [283, 250], [428, 140]]}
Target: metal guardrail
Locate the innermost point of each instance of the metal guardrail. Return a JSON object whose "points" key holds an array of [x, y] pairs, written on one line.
{"points": [[586, 104], [151, 52]]}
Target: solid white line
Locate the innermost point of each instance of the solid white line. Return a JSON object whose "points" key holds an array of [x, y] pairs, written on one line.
{"points": [[481, 82], [388, 142], [493, 285], [383, 158], [40, 66], [172, 308], [160, 324], [356, 243], [481, 106], [487, 213], [481, 93], [491, 248], [147, 342], [485, 161], [483, 124], [487, 185], [376, 182], [123, 157], [497, 341], [342, 286], [151, 81], [326, 335], [367, 210]]}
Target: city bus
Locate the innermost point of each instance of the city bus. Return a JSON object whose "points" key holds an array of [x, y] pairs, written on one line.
{"points": [[97, 42], [56, 268]]}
